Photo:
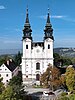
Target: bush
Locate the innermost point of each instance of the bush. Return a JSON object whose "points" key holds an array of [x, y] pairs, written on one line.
{"points": [[72, 97], [63, 94], [68, 97], [64, 98]]}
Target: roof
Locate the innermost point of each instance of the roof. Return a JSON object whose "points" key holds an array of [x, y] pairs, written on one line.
{"points": [[10, 64], [38, 43]]}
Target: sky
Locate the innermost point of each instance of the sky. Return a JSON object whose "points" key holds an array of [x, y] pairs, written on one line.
{"points": [[13, 15]]}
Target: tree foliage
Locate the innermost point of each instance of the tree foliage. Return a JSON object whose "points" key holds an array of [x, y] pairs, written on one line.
{"points": [[3, 59], [46, 77], [7, 93], [17, 58], [61, 61], [51, 78], [73, 60], [56, 59], [66, 61], [1, 85], [16, 80], [70, 78], [67, 97], [14, 92], [63, 82]]}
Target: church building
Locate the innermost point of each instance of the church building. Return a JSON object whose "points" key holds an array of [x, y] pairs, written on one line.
{"points": [[36, 55]]}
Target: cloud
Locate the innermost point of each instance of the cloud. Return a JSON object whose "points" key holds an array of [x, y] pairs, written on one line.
{"points": [[53, 16], [57, 17], [2, 7], [65, 18]]}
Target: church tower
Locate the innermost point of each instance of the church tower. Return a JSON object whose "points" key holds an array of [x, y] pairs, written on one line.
{"points": [[48, 28], [48, 41], [27, 40]]}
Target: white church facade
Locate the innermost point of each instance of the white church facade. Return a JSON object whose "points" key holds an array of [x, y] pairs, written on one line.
{"points": [[36, 55]]}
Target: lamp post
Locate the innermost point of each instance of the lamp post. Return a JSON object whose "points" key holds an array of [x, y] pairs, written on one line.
{"points": [[50, 82]]}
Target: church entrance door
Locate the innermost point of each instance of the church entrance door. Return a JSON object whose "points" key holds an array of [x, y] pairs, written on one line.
{"points": [[37, 77]]}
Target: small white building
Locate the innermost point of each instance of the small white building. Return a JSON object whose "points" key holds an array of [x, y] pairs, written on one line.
{"points": [[8, 70], [36, 55]]}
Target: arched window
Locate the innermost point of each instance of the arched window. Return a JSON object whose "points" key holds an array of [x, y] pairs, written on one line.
{"points": [[26, 46], [37, 66], [48, 46], [37, 77]]}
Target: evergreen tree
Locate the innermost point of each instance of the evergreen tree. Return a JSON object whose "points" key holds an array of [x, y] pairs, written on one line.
{"points": [[17, 59], [1, 85]]}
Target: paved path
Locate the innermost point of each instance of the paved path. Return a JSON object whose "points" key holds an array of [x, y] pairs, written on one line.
{"points": [[37, 94], [34, 90]]}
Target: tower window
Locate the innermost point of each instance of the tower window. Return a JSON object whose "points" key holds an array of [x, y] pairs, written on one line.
{"points": [[26, 76], [26, 46], [6, 75], [37, 66], [48, 46], [6, 80]]}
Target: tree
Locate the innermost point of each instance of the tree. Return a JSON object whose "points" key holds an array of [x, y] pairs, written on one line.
{"points": [[55, 80], [51, 78], [66, 61], [7, 93], [17, 58], [17, 87], [70, 78], [1, 85], [46, 77], [3, 59], [56, 59], [14, 92], [61, 61], [73, 60], [63, 81], [16, 80]]}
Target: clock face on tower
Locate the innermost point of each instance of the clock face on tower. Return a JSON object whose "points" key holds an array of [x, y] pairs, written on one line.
{"points": [[37, 50]]}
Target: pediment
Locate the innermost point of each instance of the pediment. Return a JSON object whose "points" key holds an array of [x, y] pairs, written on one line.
{"points": [[49, 40], [28, 40]]}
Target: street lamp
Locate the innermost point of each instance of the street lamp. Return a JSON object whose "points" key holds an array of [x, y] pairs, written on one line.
{"points": [[50, 81]]}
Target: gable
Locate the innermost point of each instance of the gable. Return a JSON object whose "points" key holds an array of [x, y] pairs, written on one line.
{"points": [[11, 65], [49, 40], [4, 68], [28, 40]]}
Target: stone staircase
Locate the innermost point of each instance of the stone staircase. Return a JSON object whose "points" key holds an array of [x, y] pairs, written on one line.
{"points": [[29, 82]]}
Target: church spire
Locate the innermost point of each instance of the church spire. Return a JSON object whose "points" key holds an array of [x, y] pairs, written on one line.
{"points": [[48, 28], [48, 18], [27, 28], [27, 19]]}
